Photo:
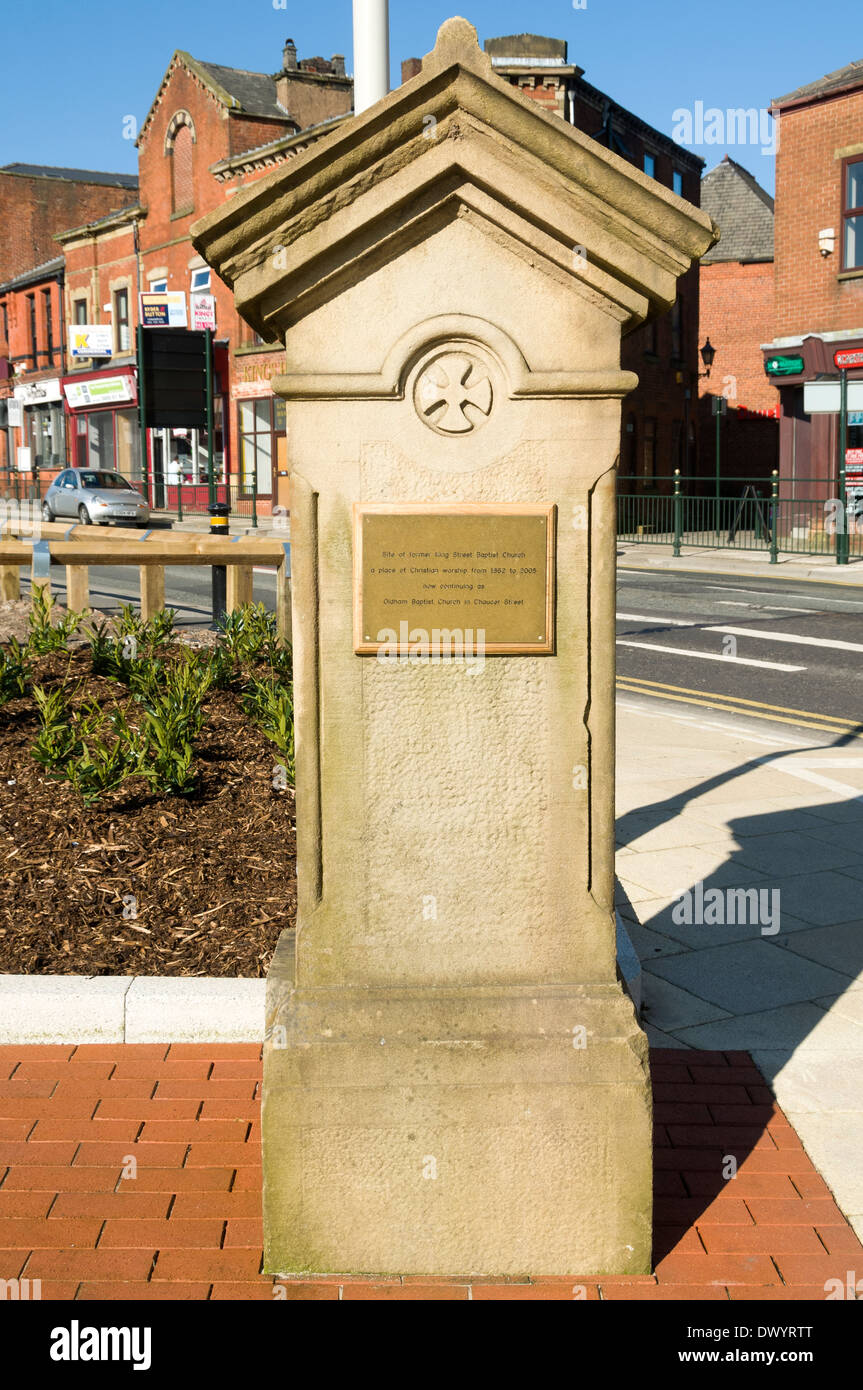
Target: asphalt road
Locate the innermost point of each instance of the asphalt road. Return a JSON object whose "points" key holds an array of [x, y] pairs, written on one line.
{"points": [[793, 648], [187, 589]]}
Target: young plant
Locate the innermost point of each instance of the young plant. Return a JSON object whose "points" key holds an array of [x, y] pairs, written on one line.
{"points": [[57, 739], [99, 765], [45, 634], [14, 671], [271, 706]]}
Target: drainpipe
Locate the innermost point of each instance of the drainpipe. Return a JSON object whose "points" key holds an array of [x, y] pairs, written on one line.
{"points": [[371, 52]]}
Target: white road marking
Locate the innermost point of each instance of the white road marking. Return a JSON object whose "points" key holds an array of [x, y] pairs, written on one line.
{"points": [[653, 618], [710, 656], [850, 793], [790, 637]]}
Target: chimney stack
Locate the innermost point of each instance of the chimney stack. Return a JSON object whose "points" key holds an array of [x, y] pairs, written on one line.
{"points": [[289, 56], [339, 64]]}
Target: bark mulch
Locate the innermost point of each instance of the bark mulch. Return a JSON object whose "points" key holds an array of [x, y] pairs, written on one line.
{"points": [[143, 884]]}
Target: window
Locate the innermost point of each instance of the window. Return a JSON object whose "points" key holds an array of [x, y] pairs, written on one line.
{"points": [[31, 315], [650, 166], [159, 286], [677, 330], [677, 182], [79, 311], [648, 455], [651, 345], [122, 336], [179, 146], [5, 322], [261, 423], [49, 326], [852, 215], [201, 281]]}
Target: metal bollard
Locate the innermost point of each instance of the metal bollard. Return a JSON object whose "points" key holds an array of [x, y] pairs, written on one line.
{"points": [[219, 513]]}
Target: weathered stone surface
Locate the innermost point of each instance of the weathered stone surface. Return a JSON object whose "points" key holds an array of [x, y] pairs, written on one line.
{"points": [[454, 1077]]}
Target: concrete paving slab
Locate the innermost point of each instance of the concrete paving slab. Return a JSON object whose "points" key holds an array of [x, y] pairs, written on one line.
{"points": [[745, 977], [813, 1083], [835, 1143], [793, 853], [669, 1007], [839, 947], [785, 1030], [676, 870], [823, 899]]}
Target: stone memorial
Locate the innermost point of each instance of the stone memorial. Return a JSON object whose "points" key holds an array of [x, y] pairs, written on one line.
{"points": [[455, 1079]]}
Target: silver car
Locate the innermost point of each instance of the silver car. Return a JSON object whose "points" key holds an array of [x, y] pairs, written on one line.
{"points": [[94, 495]]}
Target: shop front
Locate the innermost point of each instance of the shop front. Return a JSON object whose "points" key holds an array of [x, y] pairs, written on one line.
{"points": [[41, 452], [262, 463], [103, 421]]}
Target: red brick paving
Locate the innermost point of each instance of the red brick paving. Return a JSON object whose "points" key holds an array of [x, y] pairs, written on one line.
{"points": [[188, 1224]]}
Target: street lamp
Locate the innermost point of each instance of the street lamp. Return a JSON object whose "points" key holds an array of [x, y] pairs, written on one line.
{"points": [[708, 353]]}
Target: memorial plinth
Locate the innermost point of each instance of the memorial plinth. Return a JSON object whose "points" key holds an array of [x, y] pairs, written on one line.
{"points": [[455, 1080]]}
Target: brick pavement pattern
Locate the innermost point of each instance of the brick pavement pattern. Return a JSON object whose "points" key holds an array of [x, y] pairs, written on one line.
{"points": [[134, 1172]]}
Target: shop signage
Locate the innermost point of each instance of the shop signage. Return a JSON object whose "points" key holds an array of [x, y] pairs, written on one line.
{"points": [[91, 340], [854, 456], [166, 310], [848, 357], [823, 397], [14, 413], [106, 390], [39, 392], [204, 311]]}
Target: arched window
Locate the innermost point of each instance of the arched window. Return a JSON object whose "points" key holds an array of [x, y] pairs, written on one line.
{"points": [[179, 143]]}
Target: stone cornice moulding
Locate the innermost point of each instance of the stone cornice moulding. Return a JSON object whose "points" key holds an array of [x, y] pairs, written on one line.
{"points": [[456, 330], [455, 114]]}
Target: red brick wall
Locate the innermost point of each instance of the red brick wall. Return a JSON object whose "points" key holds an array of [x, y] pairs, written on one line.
{"points": [[737, 316], [17, 346], [809, 297], [33, 209]]}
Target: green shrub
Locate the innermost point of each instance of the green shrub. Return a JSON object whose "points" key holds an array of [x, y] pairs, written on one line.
{"points": [[46, 635], [14, 671], [98, 765], [271, 706], [57, 738]]}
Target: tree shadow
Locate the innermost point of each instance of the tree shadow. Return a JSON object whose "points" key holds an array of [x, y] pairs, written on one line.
{"points": [[771, 936]]}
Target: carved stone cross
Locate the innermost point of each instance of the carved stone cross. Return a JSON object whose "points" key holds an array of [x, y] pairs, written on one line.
{"points": [[453, 381]]}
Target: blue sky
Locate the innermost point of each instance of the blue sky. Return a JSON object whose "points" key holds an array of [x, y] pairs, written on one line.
{"points": [[74, 73]]}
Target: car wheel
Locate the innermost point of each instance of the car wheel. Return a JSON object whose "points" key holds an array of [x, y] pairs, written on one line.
{"points": [[47, 514], [84, 516]]}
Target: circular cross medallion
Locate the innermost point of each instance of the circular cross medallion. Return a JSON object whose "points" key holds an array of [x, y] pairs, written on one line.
{"points": [[453, 393]]}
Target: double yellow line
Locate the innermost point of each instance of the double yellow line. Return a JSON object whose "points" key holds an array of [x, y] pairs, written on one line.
{"points": [[733, 704]]}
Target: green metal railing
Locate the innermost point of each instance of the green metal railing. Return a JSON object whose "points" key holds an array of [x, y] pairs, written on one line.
{"points": [[750, 514]]}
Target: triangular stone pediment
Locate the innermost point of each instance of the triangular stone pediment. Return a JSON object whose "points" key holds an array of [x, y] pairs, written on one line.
{"points": [[455, 140]]}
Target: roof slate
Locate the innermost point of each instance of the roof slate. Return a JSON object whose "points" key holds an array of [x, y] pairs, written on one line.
{"points": [[255, 92], [47, 171], [849, 76], [742, 209]]}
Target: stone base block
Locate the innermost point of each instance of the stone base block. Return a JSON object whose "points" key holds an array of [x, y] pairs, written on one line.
{"points": [[487, 1130]]}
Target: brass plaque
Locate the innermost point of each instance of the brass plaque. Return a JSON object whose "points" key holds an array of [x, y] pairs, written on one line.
{"points": [[481, 575]]}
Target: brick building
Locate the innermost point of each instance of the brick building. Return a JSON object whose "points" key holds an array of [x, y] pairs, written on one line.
{"points": [[819, 264], [210, 130], [736, 314], [659, 430], [35, 203]]}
